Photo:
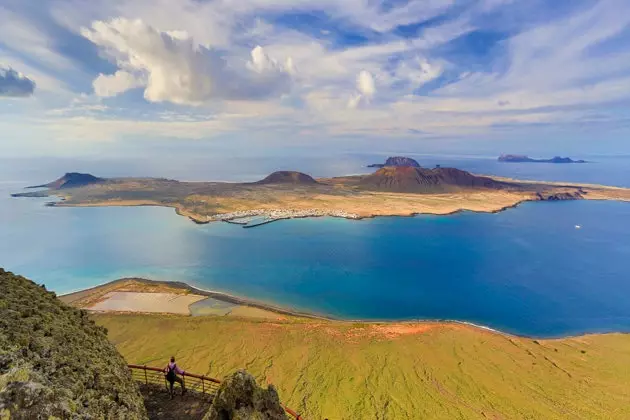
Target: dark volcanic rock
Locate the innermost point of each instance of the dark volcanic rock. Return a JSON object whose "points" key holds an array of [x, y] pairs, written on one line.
{"points": [[560, 196], [396, 161], [239, 397], [411, 179], [288, 177], [526, 159], [57, 363], [72, 180]]}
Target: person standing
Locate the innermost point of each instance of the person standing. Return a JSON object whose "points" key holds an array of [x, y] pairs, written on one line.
{"points": [[171, 371]]}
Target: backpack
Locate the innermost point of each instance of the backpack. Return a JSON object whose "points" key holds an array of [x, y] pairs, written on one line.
{"points": [[170, 373]]}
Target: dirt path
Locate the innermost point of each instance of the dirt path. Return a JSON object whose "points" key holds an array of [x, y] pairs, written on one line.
{"points": [[160, 407]]}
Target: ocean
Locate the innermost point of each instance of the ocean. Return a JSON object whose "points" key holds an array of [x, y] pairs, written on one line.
{"points": [[525, 271]]}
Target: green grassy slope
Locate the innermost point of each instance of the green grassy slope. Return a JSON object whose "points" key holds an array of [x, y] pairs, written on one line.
{"points": [[55, 362], [437, 371]]}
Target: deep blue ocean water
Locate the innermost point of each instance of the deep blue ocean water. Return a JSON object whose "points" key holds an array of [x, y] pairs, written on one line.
{"points": [[526, 270]]}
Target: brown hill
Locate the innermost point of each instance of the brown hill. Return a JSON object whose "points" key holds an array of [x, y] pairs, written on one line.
{"points": [[396, 161], [412, 179], [288, 177], [71, 180]]}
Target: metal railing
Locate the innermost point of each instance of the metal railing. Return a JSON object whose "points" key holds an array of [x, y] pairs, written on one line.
{"points": [[153, 375], [199, 383]]}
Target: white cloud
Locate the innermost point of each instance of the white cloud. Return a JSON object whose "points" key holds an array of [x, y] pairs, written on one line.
{"points": [[176, 69], [112, 85], [261, 63], [365, 84], [365, 90], [419, 71], [19, 33], [15, 84], [200, 52]]}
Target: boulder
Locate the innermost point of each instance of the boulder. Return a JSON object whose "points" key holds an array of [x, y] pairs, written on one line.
{"points": [[240, 398]]}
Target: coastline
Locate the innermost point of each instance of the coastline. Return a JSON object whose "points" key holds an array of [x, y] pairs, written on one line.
{"points": [[220, 296], [299, 214], [230, 217], [304, 315]]}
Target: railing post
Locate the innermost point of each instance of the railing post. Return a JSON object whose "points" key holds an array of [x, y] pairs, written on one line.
{"points": [[146, 379], [203, 386]]}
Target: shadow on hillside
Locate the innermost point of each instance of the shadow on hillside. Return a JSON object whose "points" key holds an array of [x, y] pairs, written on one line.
{"points": [[192, 406]]}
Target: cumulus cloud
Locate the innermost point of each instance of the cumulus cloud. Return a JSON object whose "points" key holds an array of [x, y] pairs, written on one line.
{"points": [[112, 85], [174, 68], [15, 84], [365, 90], [365, 84]]}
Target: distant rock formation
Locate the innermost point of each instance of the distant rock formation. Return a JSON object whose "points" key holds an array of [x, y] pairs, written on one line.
{"points": [[55, 362], [396, 161], [527, 159], [421, 180], [72, 180], [288, 177], [239, 397]]}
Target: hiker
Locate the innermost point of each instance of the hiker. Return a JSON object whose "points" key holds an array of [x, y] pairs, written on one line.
{"points": [[172, 370]]}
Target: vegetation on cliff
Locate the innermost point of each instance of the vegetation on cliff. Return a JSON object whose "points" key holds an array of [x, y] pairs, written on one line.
{"points": [[55, 362]]}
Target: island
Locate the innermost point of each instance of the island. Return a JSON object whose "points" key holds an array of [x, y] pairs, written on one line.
{"points": [[527, 159], [389, 191]]}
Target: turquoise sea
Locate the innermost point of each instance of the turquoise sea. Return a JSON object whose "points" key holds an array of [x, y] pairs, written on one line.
{"points": [[526, 270]]}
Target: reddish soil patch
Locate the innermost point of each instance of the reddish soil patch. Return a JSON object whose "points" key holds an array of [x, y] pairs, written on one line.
{"points": [[395, 330]]}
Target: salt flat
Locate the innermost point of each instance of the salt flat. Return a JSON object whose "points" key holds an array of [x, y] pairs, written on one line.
{"points": [[171, 303]]}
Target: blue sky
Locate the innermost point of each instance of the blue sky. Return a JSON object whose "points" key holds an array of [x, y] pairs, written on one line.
{"points": [[81, 77]]}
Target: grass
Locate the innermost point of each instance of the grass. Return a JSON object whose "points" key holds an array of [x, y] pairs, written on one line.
{"points": [[341, 370]]}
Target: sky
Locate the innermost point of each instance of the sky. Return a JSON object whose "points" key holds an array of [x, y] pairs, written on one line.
{"points": [[120, 76]]}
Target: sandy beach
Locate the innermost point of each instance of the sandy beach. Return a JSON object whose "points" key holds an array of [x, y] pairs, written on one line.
{"points": [[137, 295], [144, 296], [170, 303]]}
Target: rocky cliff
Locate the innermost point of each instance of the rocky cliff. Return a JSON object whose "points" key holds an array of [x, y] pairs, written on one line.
{"points": [[55, 362], [240, 398], [577, 194]]}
